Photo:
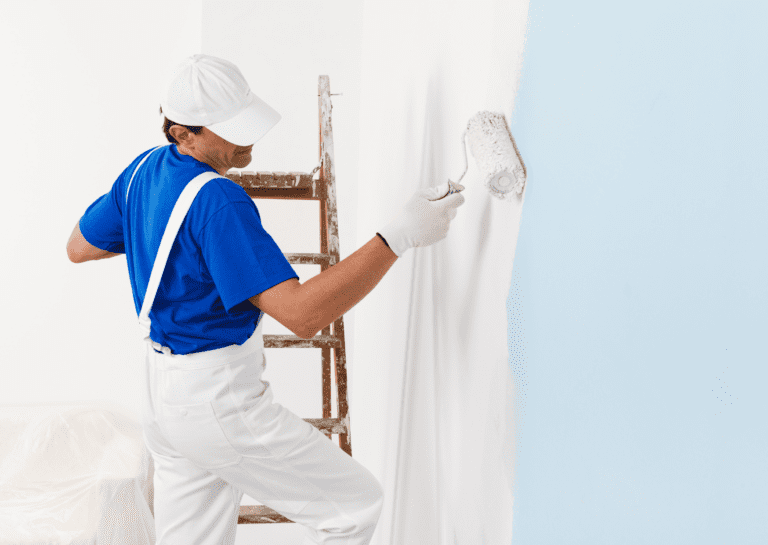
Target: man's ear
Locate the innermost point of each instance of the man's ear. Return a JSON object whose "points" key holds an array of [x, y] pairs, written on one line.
{"points": [[181, 134]]}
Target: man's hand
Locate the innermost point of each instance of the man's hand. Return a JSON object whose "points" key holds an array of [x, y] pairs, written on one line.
{"points": [[424, 220], [80, 250]]}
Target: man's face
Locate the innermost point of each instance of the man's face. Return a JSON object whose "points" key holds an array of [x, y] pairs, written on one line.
{"points": [[212, 149]]}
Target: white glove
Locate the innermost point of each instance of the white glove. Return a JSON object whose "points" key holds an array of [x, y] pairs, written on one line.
{"points": [[423, 221]]}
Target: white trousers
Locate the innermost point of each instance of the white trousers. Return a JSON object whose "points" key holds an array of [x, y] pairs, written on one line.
{"points": [[215, 433]]}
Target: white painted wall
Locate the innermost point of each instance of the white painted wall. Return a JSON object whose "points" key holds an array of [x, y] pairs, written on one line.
{"points": [[433, 418]]}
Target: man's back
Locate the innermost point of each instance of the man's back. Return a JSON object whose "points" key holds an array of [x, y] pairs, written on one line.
{"points": [[221, 257]]}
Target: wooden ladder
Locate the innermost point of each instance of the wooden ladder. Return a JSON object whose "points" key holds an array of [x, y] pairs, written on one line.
{"points": [[300, 185]]}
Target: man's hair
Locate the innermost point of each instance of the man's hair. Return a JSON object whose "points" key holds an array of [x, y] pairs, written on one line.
{"points": [[167, 124]]}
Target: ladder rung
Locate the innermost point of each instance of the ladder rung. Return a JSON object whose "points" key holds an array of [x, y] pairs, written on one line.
{"points": [[294, 341], [311, 259], [333, 425], [271, 180], [259, 514]]}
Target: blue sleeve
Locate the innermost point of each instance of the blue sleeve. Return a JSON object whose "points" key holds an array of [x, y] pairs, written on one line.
{"points": [[241, 256], [102, 223]]}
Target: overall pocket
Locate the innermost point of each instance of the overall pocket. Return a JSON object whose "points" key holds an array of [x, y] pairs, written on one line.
{"points": [[194, 431]]}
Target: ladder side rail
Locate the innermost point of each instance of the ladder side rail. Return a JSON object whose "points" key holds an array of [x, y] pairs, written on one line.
{"points": [[328, 175], [326, 351]]}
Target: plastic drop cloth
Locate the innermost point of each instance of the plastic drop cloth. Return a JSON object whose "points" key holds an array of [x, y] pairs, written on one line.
{"points": [[73, 475], [432, 389]]}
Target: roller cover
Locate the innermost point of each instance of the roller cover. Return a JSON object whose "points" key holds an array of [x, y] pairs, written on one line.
{"points": [[496, 155]]}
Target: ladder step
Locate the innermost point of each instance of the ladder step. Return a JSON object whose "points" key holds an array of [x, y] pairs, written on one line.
{"points": [[271, 180], [294, 341], [311, 259], [259, 514], [333, 425]]}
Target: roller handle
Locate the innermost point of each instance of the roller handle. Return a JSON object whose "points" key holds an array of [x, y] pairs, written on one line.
{"points": [[456, 187]]}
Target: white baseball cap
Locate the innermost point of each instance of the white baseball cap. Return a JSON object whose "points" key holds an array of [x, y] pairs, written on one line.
{"points": [[210, 92]]}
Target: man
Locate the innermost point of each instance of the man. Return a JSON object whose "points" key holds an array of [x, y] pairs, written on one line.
{"points": [[203, 271]]}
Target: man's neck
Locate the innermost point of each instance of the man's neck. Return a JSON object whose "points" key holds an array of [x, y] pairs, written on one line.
{"points": [[184, 151]]}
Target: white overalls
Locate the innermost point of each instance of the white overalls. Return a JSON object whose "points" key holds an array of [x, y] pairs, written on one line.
{"points": [[214, 433]]}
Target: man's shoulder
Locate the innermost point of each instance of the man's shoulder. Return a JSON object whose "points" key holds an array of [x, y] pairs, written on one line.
{"points": [[132, 167], [221, 196], [226, 190]]}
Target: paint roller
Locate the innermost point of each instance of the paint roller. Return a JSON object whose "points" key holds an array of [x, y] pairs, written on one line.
{"points": [[496, 155]]}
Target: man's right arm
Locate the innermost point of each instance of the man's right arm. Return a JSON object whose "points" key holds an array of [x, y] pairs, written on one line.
{"points": [[308, 308]]}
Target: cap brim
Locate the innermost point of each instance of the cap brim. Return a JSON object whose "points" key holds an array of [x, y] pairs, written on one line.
{"points": [[248, 126]]}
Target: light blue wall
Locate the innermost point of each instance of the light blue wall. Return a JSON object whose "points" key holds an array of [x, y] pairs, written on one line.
{"points": [[638, 315]]}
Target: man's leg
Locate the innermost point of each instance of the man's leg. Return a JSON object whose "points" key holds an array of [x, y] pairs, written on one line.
{"points": [[193, 506], [306, 477]]}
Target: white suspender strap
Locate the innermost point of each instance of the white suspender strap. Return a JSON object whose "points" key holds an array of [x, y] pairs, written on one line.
{"points": [[135, 170], [178, 214]]}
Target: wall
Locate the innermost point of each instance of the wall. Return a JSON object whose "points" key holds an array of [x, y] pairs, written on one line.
{"points": [[432, 382], [81, 101], [639, 304], [638, 316]]}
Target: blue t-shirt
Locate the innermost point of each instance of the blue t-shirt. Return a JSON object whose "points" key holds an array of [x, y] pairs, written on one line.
{"points": [[221, 257]]}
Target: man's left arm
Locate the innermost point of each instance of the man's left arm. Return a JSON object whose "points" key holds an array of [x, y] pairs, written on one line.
{"points": [[80, 250]]}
